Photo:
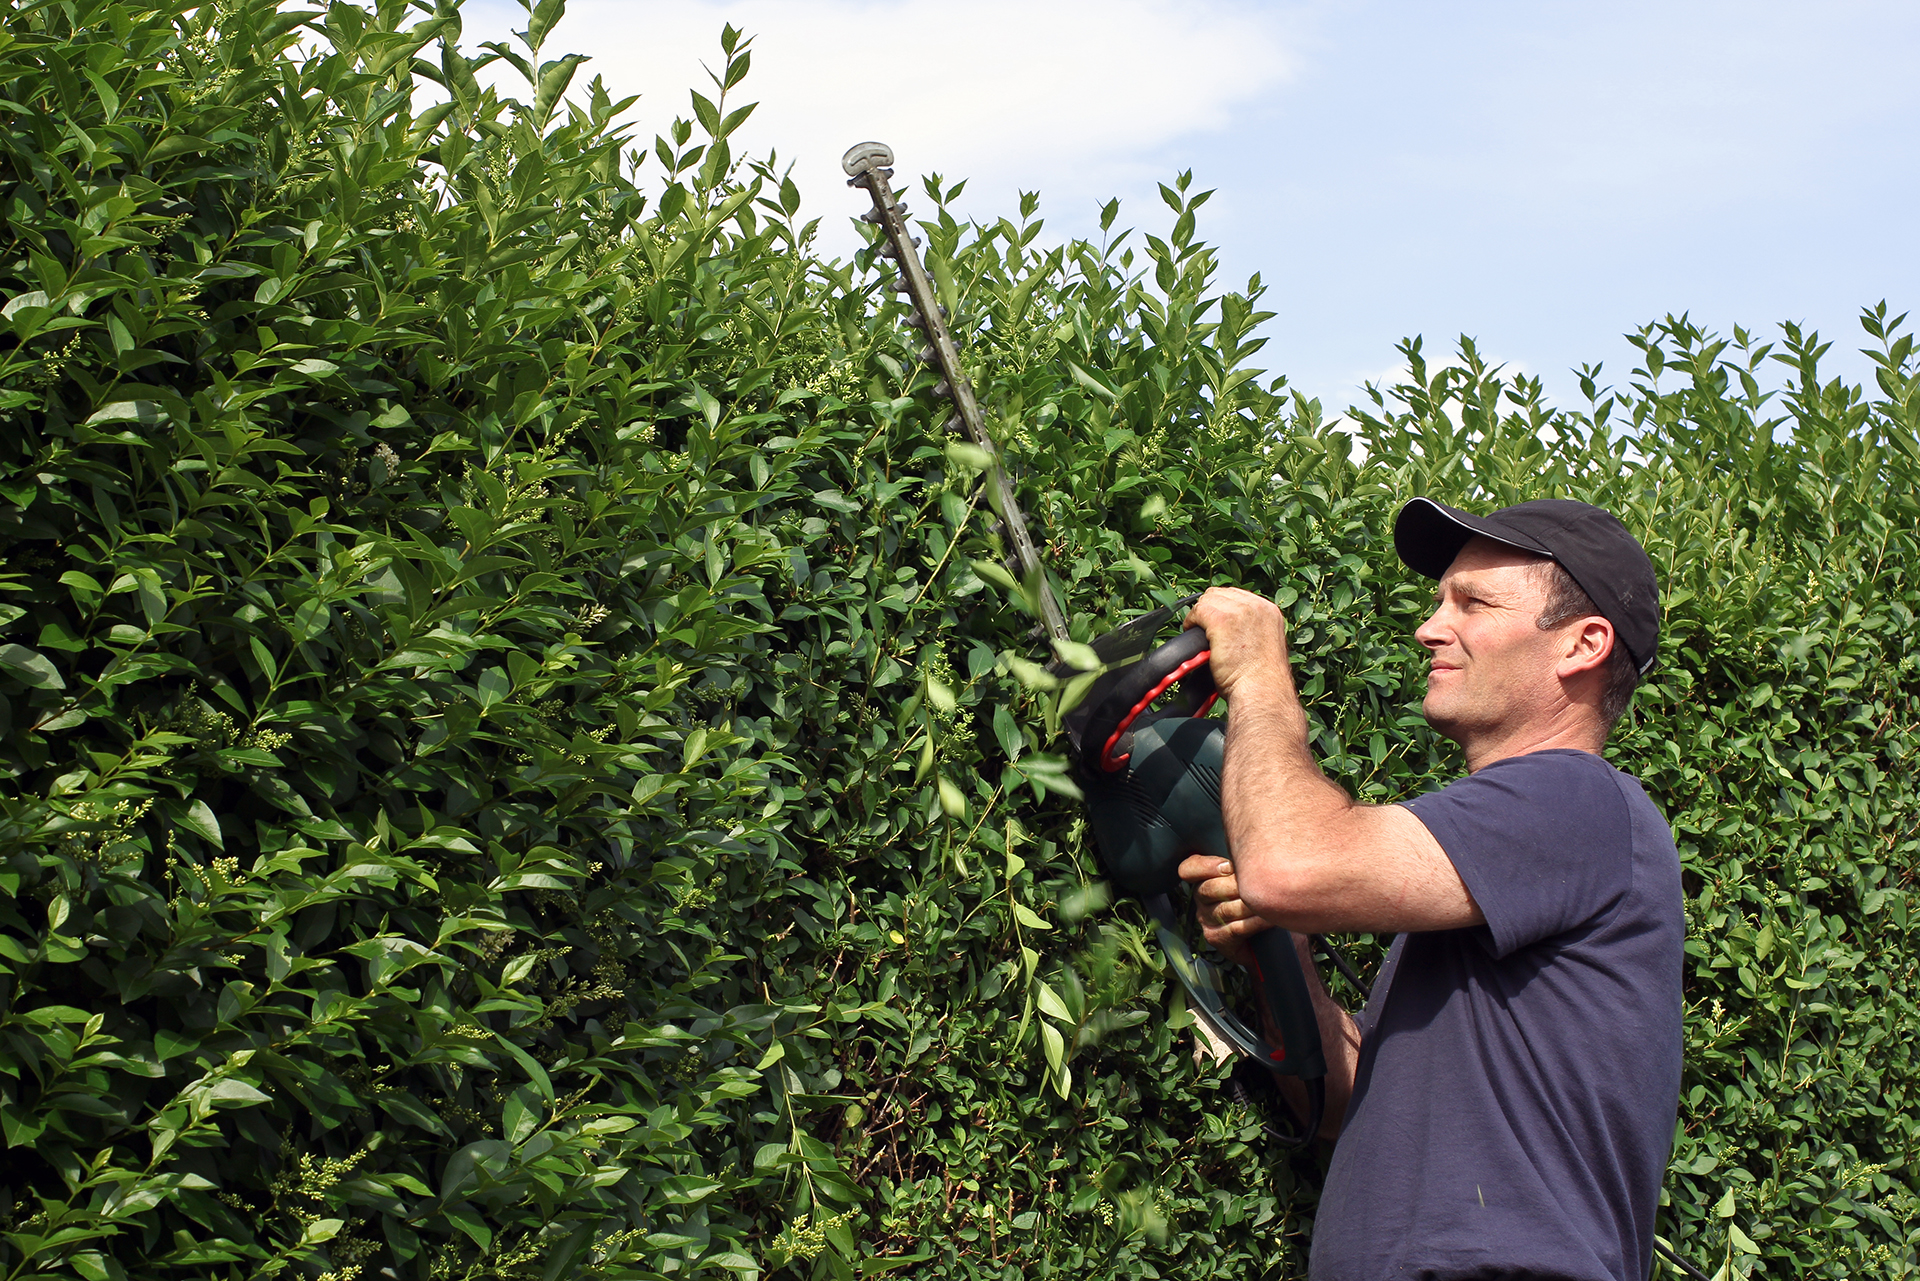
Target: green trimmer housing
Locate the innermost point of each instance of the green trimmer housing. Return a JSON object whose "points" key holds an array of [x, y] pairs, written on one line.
{"points": [[1150, 760]]}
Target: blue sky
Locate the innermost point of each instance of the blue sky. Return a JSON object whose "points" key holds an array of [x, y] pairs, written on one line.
{"points": [[1542, 176]]}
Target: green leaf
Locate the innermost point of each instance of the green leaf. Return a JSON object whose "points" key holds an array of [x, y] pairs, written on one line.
{"points": [[263, 656], [84, 585], [834, 500], [22, 301], [197, 817], [236, 1093], [1078, 657], [152, 595], [553, 81], [518, 969], [1032, 920], [312, 618], [541, 20], [464, 1218], [1054, 1044], [520, 1116], [492, 687], [179, 144], [1050, 1004], [528, 1064], [939, 695], [171, 1045], [687, 1189], [997, 575], [30, 668], [1007, 733], [403, 1106], [1031, 674], [952, 801], [696, 748], [967, 457], [139, 411]]}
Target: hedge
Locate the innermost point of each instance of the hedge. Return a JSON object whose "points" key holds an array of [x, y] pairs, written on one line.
{"points": [[512, 768]]}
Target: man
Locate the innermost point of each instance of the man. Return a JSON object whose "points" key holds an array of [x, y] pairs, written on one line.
{"points": [[1505, 1105]]}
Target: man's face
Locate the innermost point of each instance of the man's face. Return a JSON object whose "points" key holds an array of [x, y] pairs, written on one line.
{"points": [[1491, 668]]}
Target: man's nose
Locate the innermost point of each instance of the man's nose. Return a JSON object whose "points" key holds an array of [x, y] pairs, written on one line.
{"points": [[1431, 633]]}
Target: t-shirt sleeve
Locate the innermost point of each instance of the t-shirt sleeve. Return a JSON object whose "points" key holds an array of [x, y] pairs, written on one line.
{"points": [[1543, 842]]}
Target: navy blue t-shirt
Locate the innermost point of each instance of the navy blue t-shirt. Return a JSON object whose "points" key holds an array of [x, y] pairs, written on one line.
{"points": [[1514, 1105]]}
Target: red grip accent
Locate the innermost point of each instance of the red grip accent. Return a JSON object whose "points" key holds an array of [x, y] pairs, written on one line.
{"points": [[1108, 761], [1279, 1055]]}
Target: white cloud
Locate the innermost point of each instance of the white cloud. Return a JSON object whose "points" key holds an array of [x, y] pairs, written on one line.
{"points": [[1068, 97]]}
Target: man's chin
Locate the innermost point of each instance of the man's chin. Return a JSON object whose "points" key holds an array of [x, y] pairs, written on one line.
{"points": [[1435, 712]]}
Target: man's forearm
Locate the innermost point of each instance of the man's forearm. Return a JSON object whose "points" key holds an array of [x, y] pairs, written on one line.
{"points": [[1280, 810], [1339, 1043], [1305, 855]]}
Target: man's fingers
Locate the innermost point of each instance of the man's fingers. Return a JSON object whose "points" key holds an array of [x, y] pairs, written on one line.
{"points": [[1204, 867], [1246, 633], [1218, 890], [1224, 916], [1230, 917]]}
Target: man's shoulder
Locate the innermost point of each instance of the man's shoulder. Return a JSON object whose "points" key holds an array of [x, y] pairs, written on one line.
{"points": [[1558, 778], [1554, 762], [1545, 842]]}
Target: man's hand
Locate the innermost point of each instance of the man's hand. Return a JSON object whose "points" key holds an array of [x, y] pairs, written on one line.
{"points": [[1248, 636], [1225, 918], [1229, 923]]}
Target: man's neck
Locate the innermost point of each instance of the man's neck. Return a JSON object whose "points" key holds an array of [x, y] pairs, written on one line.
{"points": [[1579, 736]]}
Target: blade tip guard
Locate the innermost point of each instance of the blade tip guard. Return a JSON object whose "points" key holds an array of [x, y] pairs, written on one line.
{"points": [[863, 156]]}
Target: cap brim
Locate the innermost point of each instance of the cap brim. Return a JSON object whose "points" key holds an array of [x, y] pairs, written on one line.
{"points": [[1428, 535]]}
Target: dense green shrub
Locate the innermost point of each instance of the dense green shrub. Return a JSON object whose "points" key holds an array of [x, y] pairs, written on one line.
{"points": [[513, 769]]}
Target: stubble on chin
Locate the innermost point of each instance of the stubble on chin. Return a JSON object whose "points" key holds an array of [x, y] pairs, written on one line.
{"points": [[1434, 711]]}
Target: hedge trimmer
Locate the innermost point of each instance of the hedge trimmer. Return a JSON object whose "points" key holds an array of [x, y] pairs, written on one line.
{"points": [[1151, 774]]}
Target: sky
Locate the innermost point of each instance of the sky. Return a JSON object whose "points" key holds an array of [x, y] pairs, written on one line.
{"points": [[1543, 176]]}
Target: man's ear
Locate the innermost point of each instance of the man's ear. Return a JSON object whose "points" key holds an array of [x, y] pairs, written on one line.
{"points": [[1590, 642]]}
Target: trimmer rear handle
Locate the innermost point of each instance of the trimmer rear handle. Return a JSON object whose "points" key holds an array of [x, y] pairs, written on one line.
{"points": [[1182, 660]]}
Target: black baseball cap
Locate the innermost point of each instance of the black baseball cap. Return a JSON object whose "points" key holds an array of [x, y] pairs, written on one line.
{"points": [[1596, 549]]}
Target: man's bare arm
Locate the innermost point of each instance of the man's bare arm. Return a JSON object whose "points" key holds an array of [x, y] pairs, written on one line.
{"points": [[1339, 1042], [1305, 856]]}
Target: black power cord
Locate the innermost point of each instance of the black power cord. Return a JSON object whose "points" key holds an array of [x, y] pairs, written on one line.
{"points": [[1679, 1262], [1341, 963]]}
